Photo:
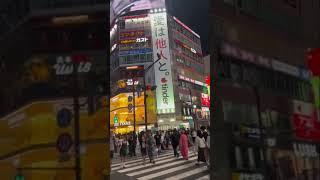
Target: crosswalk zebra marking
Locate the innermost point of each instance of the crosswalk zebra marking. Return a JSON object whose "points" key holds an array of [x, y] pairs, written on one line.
{"points": [[159, 167], [206, 177], [140, 165], [167, 171], [147, 165], [139, 159], [188, 173]]}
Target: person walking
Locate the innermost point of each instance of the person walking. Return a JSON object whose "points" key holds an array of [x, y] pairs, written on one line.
{"points": [[208, 149], [184, 145], [134, 143], [112, 145], [175, 142], [150, 147], [123, 150], [200, 145], [143, 146], [157, 137]]}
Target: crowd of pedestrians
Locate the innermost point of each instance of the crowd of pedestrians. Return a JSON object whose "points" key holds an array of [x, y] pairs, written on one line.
{"points": [[153, 144]]}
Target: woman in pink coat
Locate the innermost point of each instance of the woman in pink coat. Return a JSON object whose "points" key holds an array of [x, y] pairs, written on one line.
{"points": [[184, 145]]}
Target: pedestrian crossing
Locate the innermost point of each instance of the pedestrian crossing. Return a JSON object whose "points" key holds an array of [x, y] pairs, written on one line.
{"points": [[167, 167]]}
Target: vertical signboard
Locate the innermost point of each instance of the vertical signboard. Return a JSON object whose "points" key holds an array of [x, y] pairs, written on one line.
{"points": [[163, 76]]}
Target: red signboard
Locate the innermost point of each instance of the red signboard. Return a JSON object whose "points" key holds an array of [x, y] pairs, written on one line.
{"points": [[305, 121], [313, 61], [205, 100]]}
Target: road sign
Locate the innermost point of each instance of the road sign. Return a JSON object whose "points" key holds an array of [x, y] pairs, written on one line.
{"points": [[130, 107], [19, 177], [64, 142], [63, 157], [64, 118], [130, 98]]}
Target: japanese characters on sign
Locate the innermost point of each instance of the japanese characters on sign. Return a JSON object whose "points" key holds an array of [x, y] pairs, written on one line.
{"points": [[163, 76]]}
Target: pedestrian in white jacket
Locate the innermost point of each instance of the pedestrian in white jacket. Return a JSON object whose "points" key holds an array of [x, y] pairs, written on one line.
{"points": [[200, 145]]}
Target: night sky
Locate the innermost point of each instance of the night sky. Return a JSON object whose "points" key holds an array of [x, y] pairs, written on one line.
{"points": [[195, 14]]}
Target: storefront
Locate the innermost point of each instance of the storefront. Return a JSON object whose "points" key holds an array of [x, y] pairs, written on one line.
{"points": [[123, 117]]}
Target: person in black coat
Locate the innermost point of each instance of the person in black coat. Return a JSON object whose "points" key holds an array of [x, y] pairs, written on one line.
{"points": [[175, 142]]}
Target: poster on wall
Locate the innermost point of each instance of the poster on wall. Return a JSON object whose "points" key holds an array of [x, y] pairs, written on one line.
{"points": [[118, 7], [305, 121], [163, 74]]}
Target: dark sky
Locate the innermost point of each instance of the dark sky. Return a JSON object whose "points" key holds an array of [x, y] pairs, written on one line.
{"points": [[195, 14]]}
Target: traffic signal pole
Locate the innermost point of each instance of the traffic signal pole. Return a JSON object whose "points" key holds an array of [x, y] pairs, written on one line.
{"points": [[76, 109], [134, 108], [145, 90]]}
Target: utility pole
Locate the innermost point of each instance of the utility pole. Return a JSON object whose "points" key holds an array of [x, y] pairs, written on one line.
{"points": [[76, 109], [145, 99], [262, 138], [134, 107]]}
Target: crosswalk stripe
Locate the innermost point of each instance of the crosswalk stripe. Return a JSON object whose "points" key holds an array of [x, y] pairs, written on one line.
{"points": [[147, 165], [206, 177], [159, 167], [167, 171], [188, 173], [139, 159], [140, 165]]}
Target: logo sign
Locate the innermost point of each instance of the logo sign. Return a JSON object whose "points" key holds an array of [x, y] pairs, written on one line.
{"points": [[64, 65], [163, 74], [64, 142], [305, 150], [135, 52], [64, 118], [205, 100], [125, 35], [130, 82], [138, 40]]}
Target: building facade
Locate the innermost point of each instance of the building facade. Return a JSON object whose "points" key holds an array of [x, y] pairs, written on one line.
{"points": [[39, 42], [172, 51], [263, 102]]}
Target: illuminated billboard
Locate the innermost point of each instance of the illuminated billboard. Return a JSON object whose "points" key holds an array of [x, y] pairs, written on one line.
{"points": [[163, 73], [119, 7]]}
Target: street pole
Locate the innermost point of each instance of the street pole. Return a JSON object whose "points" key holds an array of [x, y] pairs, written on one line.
{"points": [[262, 138], [76, 109], [134, 108], [145, 91], [145, 99]]}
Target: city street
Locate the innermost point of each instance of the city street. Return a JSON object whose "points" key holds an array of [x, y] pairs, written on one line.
{"points": [[167, 167]]}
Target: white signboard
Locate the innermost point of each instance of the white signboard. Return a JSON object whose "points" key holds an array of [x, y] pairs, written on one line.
{"points": [[286, 68], [64, 66], [163, 74]]}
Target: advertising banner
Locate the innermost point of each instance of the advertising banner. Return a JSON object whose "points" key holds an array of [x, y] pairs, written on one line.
{"points": [[305, 121], [163, 74], [118, 7]]}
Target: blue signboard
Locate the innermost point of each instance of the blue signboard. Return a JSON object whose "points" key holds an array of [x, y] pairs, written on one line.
{"points": [[135, 52], [64, 118]]}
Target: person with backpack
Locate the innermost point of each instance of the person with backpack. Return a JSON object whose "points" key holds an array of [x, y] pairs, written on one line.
{"points": [[124, 150], [200, 145]]}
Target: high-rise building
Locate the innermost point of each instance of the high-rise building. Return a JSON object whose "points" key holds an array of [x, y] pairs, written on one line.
{"points": [[264, 119], [153, 38]]}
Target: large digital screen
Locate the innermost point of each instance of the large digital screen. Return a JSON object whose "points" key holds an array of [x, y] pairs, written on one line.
{"points": [[118, 7]]}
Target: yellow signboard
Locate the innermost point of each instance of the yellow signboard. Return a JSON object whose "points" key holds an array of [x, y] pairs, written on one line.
{"points": [[28, 140]]}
